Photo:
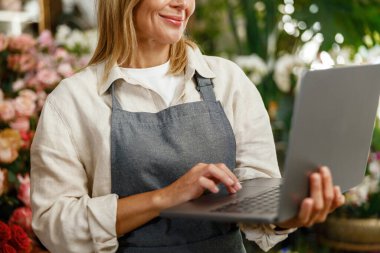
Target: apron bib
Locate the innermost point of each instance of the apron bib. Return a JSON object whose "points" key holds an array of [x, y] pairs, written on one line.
{"points": [[151, 150]]}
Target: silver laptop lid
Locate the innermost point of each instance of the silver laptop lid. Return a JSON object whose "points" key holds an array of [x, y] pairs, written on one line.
{"points": [[332, 125]]}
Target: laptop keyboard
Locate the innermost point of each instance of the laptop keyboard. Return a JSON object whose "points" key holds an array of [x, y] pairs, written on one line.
{"points": [[263, 203]]}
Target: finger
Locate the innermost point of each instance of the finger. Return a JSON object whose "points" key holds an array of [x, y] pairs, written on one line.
{"points": [[208, 184], [339, 199], [305, 212], [328, 193], [237, 186], [317, 196], [316, 191], [214, 172], [230, 188]]}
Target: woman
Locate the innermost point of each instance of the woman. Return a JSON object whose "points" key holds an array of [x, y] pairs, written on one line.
{"points": [[140, 130]]}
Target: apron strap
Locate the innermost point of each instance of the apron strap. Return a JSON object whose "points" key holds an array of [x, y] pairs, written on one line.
{"points": [[205, 87], [115, 102]]}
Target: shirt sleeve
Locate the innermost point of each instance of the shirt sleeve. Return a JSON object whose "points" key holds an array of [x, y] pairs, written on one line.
{"points": [[255, 149], [65, 217], [255, 152], [264, 235]]}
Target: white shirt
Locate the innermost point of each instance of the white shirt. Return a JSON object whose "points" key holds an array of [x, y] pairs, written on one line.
{"points": [[73, 207], [158, 80]]}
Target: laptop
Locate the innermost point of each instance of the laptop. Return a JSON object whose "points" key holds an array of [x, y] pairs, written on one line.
{"points": [[332, 125]]}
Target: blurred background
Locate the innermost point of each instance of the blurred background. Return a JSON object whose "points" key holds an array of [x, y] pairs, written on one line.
{"points": [[273, 41]]}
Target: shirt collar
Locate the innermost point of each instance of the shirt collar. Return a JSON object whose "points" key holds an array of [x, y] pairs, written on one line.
{"points": [[196, 62]]}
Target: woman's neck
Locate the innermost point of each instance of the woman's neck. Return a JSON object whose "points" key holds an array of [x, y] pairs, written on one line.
{"points": [[149, 55]]}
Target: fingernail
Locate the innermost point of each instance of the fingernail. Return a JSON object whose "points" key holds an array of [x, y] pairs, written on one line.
{"points": [[239, 185], [216, 189], [326, 170], [230, 181]]}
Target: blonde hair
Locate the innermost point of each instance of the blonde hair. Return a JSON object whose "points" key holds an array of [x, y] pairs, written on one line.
{"points": [[119, 47]]}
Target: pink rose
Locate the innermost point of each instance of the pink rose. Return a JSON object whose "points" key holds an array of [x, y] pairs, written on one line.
{"points": [[61, 54], [7, 111], [65, 69], [21, 43], [18, 85], [6, 248], [45, 62], [41, 97], [30, 94], [48, 77], [21, 124], [20, 240], [21, 63], [46, 39], [7, 154], [33, 82], [27, 62], [24, 189], [5, 233], [27, 138], [22, 216], [24, 106]]}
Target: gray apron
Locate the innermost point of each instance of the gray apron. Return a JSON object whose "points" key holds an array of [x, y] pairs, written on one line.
{"points": [[151, 150]]}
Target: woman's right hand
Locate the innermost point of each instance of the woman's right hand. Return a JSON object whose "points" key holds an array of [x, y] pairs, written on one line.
{"points": [[136, 210], [196, 181]]}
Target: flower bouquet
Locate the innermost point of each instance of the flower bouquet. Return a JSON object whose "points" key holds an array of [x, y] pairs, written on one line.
{"points": [[30, 69], [13, 239]]}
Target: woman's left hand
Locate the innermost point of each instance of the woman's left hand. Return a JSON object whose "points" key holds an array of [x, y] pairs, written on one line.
{"points": [[324, 198]]}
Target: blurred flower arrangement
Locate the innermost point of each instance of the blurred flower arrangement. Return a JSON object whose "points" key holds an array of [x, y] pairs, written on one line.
{"points": [[14, 239], [30, 69]]}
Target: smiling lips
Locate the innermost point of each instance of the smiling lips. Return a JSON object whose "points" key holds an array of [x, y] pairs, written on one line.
{"points": [[174, 20]]}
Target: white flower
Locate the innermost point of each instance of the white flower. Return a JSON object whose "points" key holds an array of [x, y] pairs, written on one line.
{"points": [[255, 65], [76, 38], [18, 85], [92, 39], [374, 55], [344, 56], [251, 61], [63, 32], [368, 186], [358, 195], [374, 169], [286, 66], [363, 190]]}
